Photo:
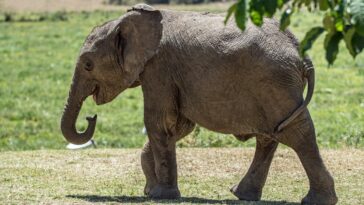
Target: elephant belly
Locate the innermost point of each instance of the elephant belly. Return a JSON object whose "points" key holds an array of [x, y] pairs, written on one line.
{"points": [[239, 107], [229, 116]]}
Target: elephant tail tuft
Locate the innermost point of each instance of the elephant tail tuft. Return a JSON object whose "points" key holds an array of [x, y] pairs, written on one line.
{"points": [[309, 75]]}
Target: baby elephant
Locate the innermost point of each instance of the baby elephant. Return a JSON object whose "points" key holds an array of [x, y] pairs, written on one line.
{"points": [[194, 69]]}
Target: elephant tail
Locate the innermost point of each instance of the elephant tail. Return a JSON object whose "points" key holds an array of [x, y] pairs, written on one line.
{"points": [[309, 75]]}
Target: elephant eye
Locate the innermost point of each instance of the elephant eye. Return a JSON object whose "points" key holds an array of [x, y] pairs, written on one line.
{"points": [[88, 66]]}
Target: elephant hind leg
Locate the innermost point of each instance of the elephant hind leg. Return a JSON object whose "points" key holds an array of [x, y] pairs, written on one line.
{"points": [[147, 161], [251, 186], [300, 136]]}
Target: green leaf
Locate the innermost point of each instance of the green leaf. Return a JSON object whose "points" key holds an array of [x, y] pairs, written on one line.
{"points": [[285, 18], [307, 3], [256, 17], [280, 3], [332, 41], [309, 39], [323, 5], [340, 7], [240, 14], [270, 7], [256, 11], [354, 42], [328, 22], [231, 10], [358, 42], [339, 24], [356, 10], [348, 36]]}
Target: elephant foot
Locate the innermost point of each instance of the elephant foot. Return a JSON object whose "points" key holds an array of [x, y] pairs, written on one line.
{"points": [[147, 189], [149, 186], [319, 198], [164, 192], [246, 193]]}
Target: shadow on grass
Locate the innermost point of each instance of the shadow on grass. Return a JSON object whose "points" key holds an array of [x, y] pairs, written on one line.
{"points": [[193, 200]]}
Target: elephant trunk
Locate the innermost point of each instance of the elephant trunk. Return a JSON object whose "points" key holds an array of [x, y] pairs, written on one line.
{"points": [[70, 114]]}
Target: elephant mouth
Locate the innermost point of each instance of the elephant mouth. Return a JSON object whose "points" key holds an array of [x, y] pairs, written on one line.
{"points": [[95, 93]]}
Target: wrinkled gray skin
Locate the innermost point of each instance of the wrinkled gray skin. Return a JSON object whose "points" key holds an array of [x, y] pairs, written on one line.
{"points": [[193, 69]]}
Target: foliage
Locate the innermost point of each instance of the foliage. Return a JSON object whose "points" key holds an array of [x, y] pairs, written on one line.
{"points": [[33, 17], [36, 68], [342, 20], [186, 1], [114, 2]]}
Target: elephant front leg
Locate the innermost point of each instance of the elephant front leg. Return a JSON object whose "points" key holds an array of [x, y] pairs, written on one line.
{"points": [[166, 172], [161, 129], [250, 187], [183, 128]]}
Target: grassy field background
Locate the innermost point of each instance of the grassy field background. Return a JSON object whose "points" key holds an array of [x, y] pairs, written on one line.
{"points": [[37, 55], [36, 66], [205, 176]]}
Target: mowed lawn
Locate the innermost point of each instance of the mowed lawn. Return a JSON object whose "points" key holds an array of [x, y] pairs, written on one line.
{"points": [[205, 176], [36, 66]]}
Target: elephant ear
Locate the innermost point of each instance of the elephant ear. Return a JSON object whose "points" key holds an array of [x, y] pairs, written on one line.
{"points": [[141, 31]]}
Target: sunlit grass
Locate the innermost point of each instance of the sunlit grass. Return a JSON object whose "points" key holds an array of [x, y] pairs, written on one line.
{"points": [[205, 176]]}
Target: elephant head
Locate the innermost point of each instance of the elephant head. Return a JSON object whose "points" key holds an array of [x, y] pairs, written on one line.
{"points": [[110, 61]]}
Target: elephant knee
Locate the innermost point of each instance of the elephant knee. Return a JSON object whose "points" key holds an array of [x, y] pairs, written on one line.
{"points": [[184, 128]]}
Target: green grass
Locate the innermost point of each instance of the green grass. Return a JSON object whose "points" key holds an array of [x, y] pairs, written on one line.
{"points": [[36, 67], [205, 176]]}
